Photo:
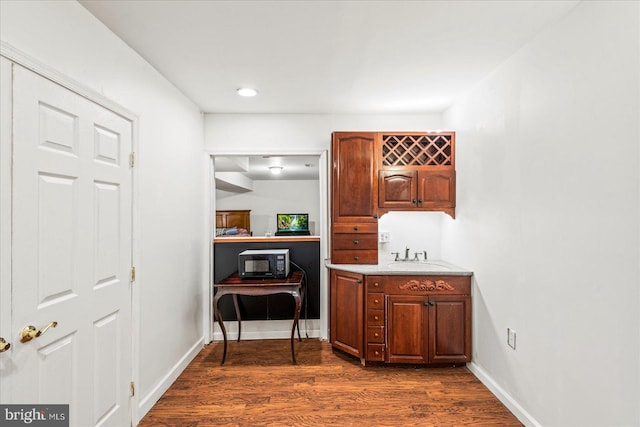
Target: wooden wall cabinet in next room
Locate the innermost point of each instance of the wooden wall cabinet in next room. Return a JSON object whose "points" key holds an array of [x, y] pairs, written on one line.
{"points": [[233, 218]]}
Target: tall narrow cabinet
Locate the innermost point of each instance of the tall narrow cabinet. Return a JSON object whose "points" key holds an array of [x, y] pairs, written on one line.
{"points": [[354, 201]]}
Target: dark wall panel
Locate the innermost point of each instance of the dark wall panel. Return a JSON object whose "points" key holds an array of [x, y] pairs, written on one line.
{"points": [[272, 307]]}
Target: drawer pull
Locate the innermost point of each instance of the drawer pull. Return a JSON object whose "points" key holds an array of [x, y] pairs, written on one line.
{"points": [[375, 285], [376, 301], [358, 281], [376, 335], [429, 303], [355, 227], [375, 317], [355, 242], [356, 258]]}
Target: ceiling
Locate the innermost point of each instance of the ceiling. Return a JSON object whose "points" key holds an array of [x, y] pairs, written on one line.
{"points": [[256, 168], [319, 56], [324, 57]]}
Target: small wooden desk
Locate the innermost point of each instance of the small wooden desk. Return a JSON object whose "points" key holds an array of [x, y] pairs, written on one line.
{"points": [[235, 286]]}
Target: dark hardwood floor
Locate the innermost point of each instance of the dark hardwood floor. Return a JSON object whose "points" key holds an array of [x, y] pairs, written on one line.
{"points": [[258, 386]]}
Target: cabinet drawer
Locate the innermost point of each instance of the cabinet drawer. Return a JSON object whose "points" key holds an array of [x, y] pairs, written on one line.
{"points": [[375, 317], [375, 284], [426, 285], [355, 241], [375, 301], [354, 257], [375, 352], [350, 227], [375, 334]]}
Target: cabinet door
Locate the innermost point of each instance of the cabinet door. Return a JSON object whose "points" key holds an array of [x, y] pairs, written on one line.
{"points": [[354, 180], [347, 300], [436, 189], [397, 189], [407, 329], [449, 329]]}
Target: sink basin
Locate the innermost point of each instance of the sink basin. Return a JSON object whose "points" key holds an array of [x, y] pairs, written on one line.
{"points": [[417, 266]]}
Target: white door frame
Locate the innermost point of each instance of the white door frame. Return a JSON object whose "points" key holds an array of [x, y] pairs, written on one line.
{"points": [[323, 179], [16, 56]]}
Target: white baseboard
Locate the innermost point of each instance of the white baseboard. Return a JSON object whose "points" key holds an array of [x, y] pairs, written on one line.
{"points": [[146, 402], [267, 329], [502, 395]]}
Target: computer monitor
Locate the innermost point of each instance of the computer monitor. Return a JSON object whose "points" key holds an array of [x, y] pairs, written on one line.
{"points": [[292, 224]]}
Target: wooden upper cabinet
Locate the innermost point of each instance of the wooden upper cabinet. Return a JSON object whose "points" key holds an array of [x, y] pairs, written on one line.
{"points": [[416, 171], [416, 189], [398, 189], [354, 180], [437, 189]]}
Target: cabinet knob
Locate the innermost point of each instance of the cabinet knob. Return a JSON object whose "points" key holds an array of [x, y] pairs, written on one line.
{"points": [[414, 201], [375, 301], [429, 303], [375, 285], [355, 227], [419, 200], [355, 242], [358, 281], [377, 353], [375, 317], [376, 335], [355, 258]]}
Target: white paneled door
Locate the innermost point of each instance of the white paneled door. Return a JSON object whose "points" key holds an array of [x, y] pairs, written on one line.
{"points": [[71, 253]]}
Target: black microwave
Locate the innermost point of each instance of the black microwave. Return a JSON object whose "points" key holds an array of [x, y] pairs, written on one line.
{"points": [[261, 263]]}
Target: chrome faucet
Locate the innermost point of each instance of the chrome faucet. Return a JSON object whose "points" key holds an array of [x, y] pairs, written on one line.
{"points": [[416, 255]]}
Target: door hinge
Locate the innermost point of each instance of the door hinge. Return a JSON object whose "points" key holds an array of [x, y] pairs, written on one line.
{"points": [[132, 159], [133, 274], [132, 388]]}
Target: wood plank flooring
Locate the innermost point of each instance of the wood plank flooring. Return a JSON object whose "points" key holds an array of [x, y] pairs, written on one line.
{"points": [[258, 386]]}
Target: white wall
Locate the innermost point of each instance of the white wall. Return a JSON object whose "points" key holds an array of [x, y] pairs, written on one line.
{"points": [[269, 198], [548, 218], [173, 245], [293, 133], [418, 231]]}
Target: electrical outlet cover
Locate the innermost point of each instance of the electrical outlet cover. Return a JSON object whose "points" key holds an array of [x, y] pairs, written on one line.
{"points": [[511, 338]]}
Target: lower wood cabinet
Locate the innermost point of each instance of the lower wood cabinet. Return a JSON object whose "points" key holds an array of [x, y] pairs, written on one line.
{"points": [[347, 291], [405, 319]]}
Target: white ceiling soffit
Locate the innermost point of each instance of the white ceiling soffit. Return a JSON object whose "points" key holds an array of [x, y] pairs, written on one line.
{"points": [[326, 56], [231, 163], [235, 182]]}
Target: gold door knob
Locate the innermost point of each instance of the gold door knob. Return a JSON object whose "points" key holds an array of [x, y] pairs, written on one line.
{"points": [[4, 345], [30, 332]]}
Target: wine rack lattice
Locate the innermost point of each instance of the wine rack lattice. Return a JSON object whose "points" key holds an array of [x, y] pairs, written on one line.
{"points": [[416, 150]]}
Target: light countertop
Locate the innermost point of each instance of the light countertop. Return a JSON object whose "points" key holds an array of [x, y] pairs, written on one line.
{"points": [[429, 268]]}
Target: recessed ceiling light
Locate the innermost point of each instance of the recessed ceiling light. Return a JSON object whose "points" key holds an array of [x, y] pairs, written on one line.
{"points": [[275, 169], [247, 91]]}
